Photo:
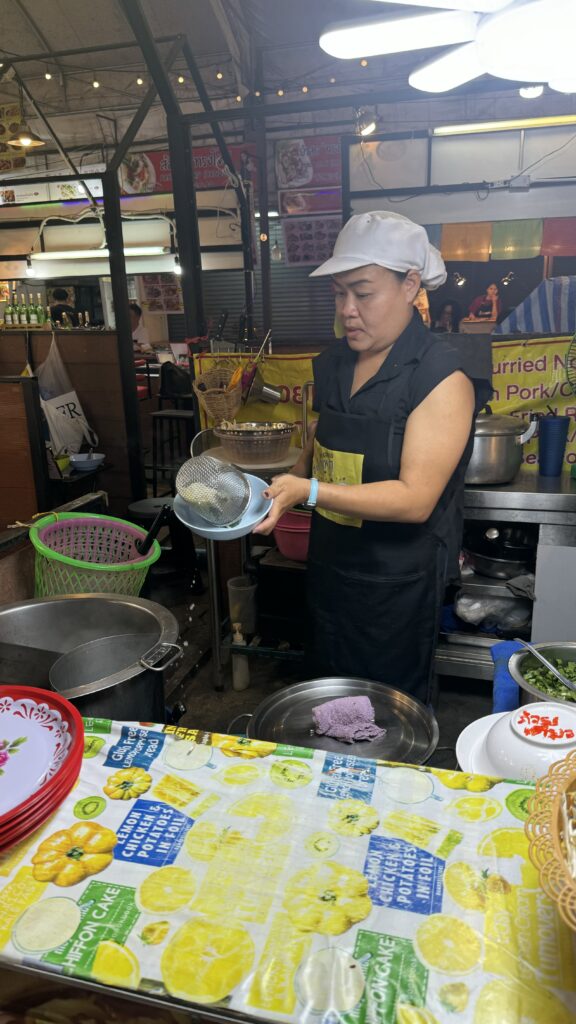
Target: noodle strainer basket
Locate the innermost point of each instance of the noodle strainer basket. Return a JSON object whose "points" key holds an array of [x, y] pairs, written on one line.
{"points": [[219, 492]]}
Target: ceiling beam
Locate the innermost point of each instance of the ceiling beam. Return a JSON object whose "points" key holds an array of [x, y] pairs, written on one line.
{"points": [[80, 51], [230, 34], [132, 11], [40, 35]]}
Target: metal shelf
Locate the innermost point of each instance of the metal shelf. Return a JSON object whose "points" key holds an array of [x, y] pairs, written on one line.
{"points": [[484, 586]]}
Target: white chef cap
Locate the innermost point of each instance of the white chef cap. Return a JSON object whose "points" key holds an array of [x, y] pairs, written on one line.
{"points": [[388, 240]]}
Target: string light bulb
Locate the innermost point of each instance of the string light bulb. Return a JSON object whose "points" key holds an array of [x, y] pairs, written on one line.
{"points": [[280, 92], [47, 75], [263, 237], [219, 75], [258, 93], [363, 63], [95, 83], [238, 98], [139, 81], [304, 88], [181, 79]]}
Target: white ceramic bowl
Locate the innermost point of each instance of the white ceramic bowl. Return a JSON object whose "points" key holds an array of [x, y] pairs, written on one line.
{"points": [[85, 462], [524, 743]]}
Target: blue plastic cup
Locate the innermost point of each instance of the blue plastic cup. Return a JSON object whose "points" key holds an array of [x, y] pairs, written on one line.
{"points": [[552, 435]]}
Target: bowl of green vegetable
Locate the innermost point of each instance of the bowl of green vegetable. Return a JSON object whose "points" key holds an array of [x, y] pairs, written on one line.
{"points": [[535, 679]]}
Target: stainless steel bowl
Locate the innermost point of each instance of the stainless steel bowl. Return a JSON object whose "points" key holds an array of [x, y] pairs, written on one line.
{"points": [[523, 660]]}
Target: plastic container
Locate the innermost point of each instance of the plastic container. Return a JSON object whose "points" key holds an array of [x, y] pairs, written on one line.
{"points": [[552, 435], [242, 602], [89, 554], [292, 535]]}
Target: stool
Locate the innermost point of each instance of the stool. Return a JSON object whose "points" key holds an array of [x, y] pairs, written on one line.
{"points": [[172, 419], [182, 554]]}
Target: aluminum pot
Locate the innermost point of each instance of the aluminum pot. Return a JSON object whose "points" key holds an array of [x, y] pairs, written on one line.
{"points": [[497, 452], [523, 660], [116, 677], [122, 687]]}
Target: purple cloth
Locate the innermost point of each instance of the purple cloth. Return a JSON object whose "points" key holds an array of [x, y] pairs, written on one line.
{"points": [[347, 719]]}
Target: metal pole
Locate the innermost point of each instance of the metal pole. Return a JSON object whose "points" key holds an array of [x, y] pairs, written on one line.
{"points": [[82, 51], [132, 11], [115, 244], [263, 202], [214, 607], [186, 216], [140, 116], [245, 217], [70, 163]]}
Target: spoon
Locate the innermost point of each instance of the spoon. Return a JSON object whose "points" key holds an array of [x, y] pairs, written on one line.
{"points": [[548, 664]]}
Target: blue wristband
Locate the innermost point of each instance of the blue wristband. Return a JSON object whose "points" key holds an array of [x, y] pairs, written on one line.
{"points": [[313, 496]]}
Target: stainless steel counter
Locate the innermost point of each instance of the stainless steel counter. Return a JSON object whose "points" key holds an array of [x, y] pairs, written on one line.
{"points": [[550, 502], [530, 498]]}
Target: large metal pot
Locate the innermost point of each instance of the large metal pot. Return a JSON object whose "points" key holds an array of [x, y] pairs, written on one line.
{"points": [[521, 661], [116, 677], [497, 453], [122, 686]]}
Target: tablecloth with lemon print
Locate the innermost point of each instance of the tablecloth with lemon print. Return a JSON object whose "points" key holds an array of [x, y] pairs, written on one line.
{"points": [[289, 884]]}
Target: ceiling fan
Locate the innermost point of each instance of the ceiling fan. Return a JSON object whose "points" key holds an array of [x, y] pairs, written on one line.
{"points": [[520, 40]]}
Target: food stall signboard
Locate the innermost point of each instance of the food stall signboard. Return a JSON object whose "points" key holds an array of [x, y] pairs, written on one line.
{"points": [[151, 172], [10, 159], [308, 162]]}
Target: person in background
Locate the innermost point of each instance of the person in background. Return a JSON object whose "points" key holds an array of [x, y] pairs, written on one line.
{"points": [[487, 306], [60, 305], [140, 339], [448, 317], [384, 469]]}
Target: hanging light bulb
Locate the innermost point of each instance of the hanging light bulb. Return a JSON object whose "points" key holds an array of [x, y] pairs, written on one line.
{"points": [[139, 80], [280, 92], [177, 267], [332, 81], [257, 93], [238, 98], [25, 138], [363, 63], [508, 278], [365, 123], [95, 83], [181, 79], [47, 75], [30, 270], [219, 75], [459, 279], [304, 88]]}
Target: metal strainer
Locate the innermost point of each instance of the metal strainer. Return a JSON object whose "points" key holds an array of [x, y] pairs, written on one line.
{"points": [[219, 492]]}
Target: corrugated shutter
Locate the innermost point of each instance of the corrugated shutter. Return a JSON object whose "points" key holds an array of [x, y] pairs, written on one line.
{"points": [[302, 309]]}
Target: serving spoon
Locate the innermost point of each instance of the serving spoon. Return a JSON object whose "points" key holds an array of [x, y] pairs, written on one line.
{"points": [[548, 664]]}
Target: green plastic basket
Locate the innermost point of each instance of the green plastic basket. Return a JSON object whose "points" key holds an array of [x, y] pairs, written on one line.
{"points": [[80, 553]]}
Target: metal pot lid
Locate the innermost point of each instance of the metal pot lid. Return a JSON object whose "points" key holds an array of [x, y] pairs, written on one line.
{"points": [[411, 729], [488, 425]]}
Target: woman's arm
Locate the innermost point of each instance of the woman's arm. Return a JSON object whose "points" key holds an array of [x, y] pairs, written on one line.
{"points": [[437, 432]]}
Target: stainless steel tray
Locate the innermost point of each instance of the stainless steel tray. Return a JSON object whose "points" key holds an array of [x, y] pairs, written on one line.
{"points": [[411, 728]]}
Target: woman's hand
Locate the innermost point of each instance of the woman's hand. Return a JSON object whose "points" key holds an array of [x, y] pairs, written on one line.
{"points": [[286, 491]]}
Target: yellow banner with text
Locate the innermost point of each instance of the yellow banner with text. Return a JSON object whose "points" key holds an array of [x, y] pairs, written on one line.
{"points": [[529, 376]]}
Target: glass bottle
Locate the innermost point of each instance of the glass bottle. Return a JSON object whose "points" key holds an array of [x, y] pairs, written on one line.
{"points": [[40, 314], [8, 313], [32, 314], [23, 311]]}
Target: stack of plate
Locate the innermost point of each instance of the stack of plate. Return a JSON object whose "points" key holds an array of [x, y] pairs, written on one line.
{"points": [[41, 748]]}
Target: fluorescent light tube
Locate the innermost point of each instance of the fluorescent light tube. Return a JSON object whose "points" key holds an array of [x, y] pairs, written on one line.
{"points": [[448, 72], [98, 254], [502, 126], [374, 36]]}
